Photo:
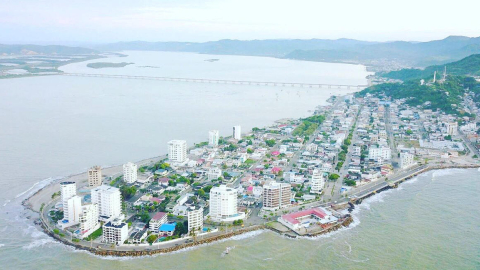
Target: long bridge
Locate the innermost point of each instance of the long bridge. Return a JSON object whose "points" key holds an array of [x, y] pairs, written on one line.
{"points": [[215, 81]]}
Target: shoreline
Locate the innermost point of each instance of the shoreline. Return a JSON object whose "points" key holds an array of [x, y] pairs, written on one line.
{"points": [[225, 236], [42, 197]]}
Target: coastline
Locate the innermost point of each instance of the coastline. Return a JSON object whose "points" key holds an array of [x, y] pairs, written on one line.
{"points": [[154, 250]]}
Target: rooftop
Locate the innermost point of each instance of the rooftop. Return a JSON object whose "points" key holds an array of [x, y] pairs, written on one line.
{"points": [[168, 227], [159, 215], [293, 217]]}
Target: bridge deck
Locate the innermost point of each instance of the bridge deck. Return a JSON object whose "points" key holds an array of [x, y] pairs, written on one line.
{"points": [[262, 83]]}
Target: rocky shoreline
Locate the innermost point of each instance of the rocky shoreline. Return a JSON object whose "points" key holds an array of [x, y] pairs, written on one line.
{"points": [[149, 252]]}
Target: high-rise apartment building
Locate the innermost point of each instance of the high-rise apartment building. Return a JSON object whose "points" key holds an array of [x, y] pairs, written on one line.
{"points": [[276, 195], [318, 182], [72, 204], [109, 201], [115, 232], [130, 173], [237, 132], [177, 151], [89, 219], [95, 176], [213, 137], [223, 204], [195, 219]]}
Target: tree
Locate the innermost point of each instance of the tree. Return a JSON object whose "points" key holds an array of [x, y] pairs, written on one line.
{"points": [[152, 238], [249, 151], [270, 142], [350, 182], [333, 176], [201, 193], [128, 192]]}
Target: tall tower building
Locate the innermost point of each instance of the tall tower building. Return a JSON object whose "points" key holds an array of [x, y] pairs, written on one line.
{"points": [[195, 219], [72, 204], [88, 219], [177, 151], [223, 204], [318, 182], [237, 132], [276, 195], [130, 172], [109, 201], [213, 137], [95, 176]]}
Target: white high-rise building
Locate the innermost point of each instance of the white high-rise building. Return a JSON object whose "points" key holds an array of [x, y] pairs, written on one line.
{"points": [[223, 204], [379, 153], [213, 137], [177, 151], [89, 220], [318, 182], [195, 219], [406, 160], [95, 176], [115, 232], [68, 190], [276, 195], [109, 201], [72, 204], [73, 209], [130, 173], [237, 132]]}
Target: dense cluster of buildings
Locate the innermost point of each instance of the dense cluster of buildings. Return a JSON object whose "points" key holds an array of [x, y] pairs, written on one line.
{"points": [[105, 207], [278, 168]]}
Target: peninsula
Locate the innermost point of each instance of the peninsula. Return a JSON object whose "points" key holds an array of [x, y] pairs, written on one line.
{"points": [[297, 177], [98, 65]]}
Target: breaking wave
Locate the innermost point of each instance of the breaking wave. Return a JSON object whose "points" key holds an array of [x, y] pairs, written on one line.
{"points": [[40, 243]]}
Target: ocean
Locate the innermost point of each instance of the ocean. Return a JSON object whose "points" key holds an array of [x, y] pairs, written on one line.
{"points": [[54, 126]]}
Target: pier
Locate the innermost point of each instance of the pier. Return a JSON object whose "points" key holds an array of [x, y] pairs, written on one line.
{"points": [[218, 81]]}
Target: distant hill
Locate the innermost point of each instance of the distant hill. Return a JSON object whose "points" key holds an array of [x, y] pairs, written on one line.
{"points": [[413, 54], [416, 54], [38, 49], [275, 47], [468, 66]]}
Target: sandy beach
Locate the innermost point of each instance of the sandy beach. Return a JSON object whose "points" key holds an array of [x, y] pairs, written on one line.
{"points": [[44, 195]]}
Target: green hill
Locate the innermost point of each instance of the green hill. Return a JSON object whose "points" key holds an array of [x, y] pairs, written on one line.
{"points": [[468, 66], [414, 54], [439, 95]]}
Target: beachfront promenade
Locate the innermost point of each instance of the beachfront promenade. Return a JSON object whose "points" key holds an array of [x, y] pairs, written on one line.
{"points": [[217, 81]]}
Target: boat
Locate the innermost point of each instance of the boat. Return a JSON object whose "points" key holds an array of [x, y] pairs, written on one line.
{"points": [[227, 250]]}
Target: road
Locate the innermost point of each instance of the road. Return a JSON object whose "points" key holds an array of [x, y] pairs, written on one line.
{"points": [[333, 190]]}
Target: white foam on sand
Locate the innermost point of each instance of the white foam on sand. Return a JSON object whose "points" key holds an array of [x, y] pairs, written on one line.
{"points": [[37, 186]]}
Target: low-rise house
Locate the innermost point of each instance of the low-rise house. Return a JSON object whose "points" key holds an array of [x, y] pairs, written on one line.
{"points": [[167, 229]]}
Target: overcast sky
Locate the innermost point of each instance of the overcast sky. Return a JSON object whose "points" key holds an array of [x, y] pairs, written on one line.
{"points": [[99, 21]]}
